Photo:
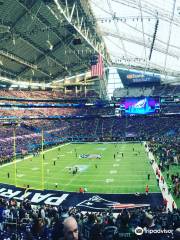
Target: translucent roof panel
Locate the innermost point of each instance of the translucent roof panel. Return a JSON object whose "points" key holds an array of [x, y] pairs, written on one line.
{"points": [[142, 33]]}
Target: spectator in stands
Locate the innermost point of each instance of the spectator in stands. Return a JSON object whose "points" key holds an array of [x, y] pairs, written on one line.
{"points": [[77, 224], [70, 229], [177, 234]]}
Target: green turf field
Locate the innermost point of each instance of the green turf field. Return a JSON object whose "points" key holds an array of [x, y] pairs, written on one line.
{"points": [[126, 174]]}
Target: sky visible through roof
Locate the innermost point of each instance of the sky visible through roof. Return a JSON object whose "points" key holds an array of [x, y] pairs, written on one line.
{"points": [[130, 27], [142, 33]]}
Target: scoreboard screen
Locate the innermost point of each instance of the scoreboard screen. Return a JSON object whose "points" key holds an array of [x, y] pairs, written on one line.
{"points": [[139, 105]]}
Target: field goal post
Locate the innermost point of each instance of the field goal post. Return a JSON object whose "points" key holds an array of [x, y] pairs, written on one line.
{"points": [[15, 162]]}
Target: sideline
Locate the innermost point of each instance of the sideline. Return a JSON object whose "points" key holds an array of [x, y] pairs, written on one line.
{"points": [[163, 187], [30, 156]]}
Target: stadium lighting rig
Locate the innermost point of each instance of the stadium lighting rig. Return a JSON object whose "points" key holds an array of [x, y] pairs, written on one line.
{"points": [[154, 37]]}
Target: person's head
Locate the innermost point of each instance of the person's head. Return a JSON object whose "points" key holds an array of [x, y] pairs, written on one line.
{"points": [[149, 220], [70, 229], [177, 234]]}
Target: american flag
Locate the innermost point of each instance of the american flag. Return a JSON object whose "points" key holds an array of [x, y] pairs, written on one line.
{"points": [[97, 66]]}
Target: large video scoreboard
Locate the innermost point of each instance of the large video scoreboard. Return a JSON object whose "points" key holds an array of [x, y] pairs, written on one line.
{"points": [[138, 105]]}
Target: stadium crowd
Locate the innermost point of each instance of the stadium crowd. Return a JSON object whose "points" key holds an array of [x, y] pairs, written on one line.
{"points": [[167, 152], [44, 94], [161, 90], [28, 133], [25, 221]]}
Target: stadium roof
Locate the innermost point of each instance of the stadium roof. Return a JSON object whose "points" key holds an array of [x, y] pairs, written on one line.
{"points": [[142, 34], [44, 40]]}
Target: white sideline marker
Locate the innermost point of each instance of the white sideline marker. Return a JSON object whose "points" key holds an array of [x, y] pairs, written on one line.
{"points": [[29, 157], [109, 180], [20, 175], [35, 168], [116, 165]]}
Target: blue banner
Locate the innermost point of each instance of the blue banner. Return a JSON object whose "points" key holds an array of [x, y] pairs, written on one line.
{"points": [[84, 201], [132, 77]]}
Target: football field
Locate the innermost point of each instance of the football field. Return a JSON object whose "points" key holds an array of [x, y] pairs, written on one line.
{"points": [[101, 168]]}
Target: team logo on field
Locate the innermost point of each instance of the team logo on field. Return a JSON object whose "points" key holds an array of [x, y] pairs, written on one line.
{"points": [[97, 202], [96, 156]]}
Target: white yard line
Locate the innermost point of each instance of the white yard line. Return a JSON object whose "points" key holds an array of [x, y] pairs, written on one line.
{"points": [[165, 194], [19, 160]]}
